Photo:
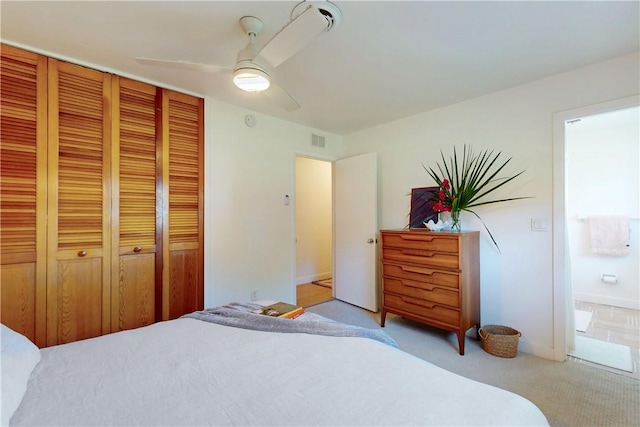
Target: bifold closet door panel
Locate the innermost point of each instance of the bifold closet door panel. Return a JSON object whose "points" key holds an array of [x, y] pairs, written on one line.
{"points": [[79, 202], [136, 295], [183, 136], [23, 169]]}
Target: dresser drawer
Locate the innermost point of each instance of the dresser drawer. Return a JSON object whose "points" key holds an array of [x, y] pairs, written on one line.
{"points": [[440, 242], [422, 308], [422, 256], [421, 290], [421, 274]]}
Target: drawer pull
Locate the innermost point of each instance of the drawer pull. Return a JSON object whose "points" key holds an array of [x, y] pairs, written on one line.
{"points": [[418, 238], [423, 286], [82, 253], [409, 269], [422, 254], [423, 303], [137, 249]]}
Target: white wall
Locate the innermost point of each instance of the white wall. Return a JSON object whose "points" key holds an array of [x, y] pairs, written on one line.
{"points": [[249, 231], [517, 287], [313, 220], [603, 178]]}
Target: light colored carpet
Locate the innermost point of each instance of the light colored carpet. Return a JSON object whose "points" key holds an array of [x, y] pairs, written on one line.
{"points": [[582, 319], [603, 353], [569, 393]]}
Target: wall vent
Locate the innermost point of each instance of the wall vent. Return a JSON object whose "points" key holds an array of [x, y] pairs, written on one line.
{"points": [[317, 141]]}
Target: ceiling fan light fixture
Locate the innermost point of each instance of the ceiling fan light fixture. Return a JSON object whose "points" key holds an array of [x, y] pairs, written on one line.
{"points": [[251, 79]]}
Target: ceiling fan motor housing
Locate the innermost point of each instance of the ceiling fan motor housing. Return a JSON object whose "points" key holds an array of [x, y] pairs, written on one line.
{"points": [[251, 25]]}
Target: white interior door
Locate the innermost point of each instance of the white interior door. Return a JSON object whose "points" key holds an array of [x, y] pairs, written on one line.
{"points": [[355, 227]]}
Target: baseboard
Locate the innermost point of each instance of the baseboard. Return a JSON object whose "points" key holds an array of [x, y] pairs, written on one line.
{"points": [[537, 349], [312, 278], [607, 300]]}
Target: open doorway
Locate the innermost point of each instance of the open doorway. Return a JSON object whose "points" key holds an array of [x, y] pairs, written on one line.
{"points": [[314, 245], [601, 154]]}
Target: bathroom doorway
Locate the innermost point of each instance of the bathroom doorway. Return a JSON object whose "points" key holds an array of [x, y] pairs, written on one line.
{"points": [[602, 180]]}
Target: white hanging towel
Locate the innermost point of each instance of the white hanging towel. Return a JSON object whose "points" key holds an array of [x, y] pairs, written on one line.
{"points": [[610, 235]]}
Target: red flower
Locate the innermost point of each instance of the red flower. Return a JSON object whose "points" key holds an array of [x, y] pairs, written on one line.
{"points": [[444, 199], [440, 207]]}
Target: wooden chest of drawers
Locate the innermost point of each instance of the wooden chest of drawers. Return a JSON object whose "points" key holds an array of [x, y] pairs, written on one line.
{"points": [[433, 278]]}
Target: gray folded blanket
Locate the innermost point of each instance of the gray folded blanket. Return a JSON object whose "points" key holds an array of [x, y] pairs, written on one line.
{"points": [[242, 316]]}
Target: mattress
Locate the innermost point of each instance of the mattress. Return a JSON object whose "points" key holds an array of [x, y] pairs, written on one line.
{"points": [[187, 372]]}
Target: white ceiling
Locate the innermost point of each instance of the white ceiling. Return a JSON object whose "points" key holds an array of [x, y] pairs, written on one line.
{"points": [[386, 60]]}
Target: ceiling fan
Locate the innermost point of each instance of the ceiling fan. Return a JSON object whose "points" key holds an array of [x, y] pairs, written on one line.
{"points": [[254, 68]]}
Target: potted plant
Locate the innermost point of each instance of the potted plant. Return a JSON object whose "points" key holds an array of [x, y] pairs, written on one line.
{"points": [[463, 184]]}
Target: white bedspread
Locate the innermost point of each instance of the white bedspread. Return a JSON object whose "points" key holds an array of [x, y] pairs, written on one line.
{"points": [[189, 372]]}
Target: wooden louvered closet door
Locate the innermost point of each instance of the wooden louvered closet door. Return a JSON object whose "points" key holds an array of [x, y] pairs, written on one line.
{"points": [[136, 293], [101, 200], [23, 162], [79, 202], [184, 248]]}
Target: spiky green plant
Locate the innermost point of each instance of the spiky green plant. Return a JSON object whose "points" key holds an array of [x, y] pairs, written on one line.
{"points": [[463, 184]]}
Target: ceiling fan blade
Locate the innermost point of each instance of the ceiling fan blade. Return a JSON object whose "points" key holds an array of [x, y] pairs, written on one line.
{"points": [[281, 97], [294, 36], [182, 65]]}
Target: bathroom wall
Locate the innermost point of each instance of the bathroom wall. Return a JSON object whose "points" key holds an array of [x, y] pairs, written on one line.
{"points": [[603, 178]]}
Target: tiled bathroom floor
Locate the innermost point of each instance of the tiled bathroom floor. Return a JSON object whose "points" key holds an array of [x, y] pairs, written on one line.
{"points": [[615, 325], [612, 324]]}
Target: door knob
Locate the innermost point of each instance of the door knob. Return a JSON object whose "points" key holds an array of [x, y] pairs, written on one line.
{"points": [[137, 249], [371, 240], [82, 253]]}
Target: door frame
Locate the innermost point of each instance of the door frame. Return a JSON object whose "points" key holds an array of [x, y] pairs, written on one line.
{"points": [[561, 274]]}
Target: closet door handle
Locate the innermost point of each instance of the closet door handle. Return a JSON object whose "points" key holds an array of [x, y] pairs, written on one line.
{"points": [[137, 249], [82, 253]]}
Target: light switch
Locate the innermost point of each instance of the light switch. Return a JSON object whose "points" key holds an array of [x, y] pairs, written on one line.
{"points": [[539, 224]]}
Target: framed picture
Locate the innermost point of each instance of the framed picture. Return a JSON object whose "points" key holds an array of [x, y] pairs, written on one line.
{"points": [[421, 210]]}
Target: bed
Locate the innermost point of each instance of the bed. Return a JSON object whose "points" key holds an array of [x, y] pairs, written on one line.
{"points": [[193, 372]]}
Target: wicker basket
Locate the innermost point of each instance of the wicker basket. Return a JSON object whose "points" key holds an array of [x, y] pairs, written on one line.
{"points": [[501, 341]]}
